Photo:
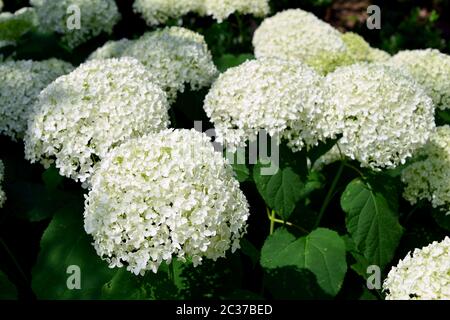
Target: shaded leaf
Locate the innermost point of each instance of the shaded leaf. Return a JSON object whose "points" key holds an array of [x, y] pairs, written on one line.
{"points": [[8, 290], [322, 252], [372, 222], [64, 244], [242, 172], [229, 61]]}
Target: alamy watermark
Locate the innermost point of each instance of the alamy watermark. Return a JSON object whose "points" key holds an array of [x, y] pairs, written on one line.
{"points": [[73, 21], [73, 281], [374, 277], [374, 19]]}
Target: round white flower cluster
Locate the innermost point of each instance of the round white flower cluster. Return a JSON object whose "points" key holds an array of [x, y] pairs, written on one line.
{"points": [[111, 49], [81, 116], [299, 35], [20, 84], [358, 50], [222, 9], [96, 17], [2, 193], [162, 196], [431, 69], [159, 11], [284, 98], [382, 114], [430, 178], [424, 275], [174, 56]]}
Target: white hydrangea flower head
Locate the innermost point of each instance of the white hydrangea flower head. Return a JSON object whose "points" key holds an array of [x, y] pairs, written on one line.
{"points": [[2, 193], [111, 49], [429, 177], [422, 275], [175, 57], [431, 69], [96, 17], [358, 50], [163, 196], [382, 114], [160, 11], [299, 35], [282, 97], [222, 9], [20, 84], [81, 116], [157, 12]]}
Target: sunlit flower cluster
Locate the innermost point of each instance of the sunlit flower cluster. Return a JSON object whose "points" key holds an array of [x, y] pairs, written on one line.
{"points": [[422, 275], [382, 114], [222, 9], [81, 116], [95, 16], [160, 11], [111, 49], [20, 84], [358, 50], [2, 193], [429, 177], [175, 57], [284, 98], [431, 69], [299, 35], [163, 196]]}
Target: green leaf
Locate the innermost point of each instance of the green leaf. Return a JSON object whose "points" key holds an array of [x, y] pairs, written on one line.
{"points": [[35, 201], [51, 177], [280, 191], [250, 251], [14, 25], [322, 252], [124, 286], [367, 295], [229, 61], [317, 151], [288, 283], [64, 244], [8, 290], [286, 183], [361, 264], [242, 172], [441, 218], [442, 117], [372, 222]]}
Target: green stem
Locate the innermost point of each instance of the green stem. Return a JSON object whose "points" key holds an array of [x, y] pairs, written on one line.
{"points": [[272, 219], [330, 194], [355, 169], [410, 213]]}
